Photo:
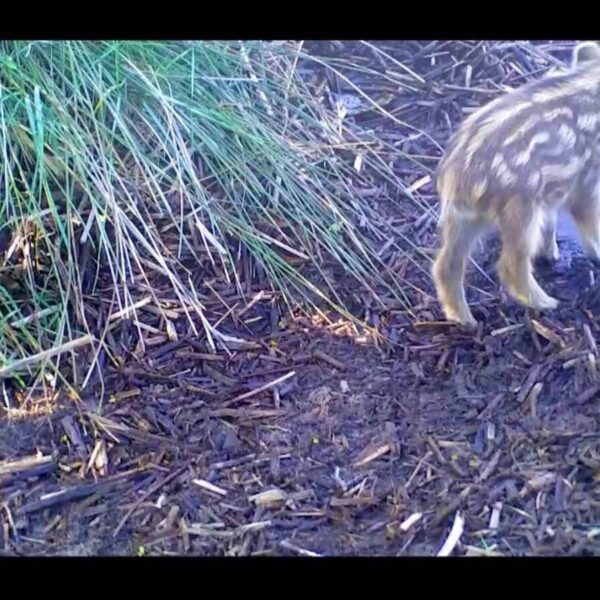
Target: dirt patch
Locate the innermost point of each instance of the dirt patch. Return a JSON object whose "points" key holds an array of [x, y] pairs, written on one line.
{"points": [[501, 428]]}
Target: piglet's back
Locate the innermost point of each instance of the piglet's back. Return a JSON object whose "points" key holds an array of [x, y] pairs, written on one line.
{"points": [[536, 143]]}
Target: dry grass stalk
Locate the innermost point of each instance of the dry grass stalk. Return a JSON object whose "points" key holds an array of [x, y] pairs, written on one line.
{"points": [[262, 388], [28, 361]]}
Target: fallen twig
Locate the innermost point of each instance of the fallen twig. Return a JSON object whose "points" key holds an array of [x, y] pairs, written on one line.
{"points": [[453, 537]]}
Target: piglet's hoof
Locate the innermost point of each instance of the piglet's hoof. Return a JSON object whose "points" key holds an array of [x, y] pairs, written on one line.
{"points": [[469, 326]]}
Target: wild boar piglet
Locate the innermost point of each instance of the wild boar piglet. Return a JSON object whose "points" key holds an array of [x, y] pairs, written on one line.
{"points": [[512, 164]]}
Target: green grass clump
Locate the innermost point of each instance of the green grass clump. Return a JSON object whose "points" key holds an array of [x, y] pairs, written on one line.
{"points": [[110, 148]]}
